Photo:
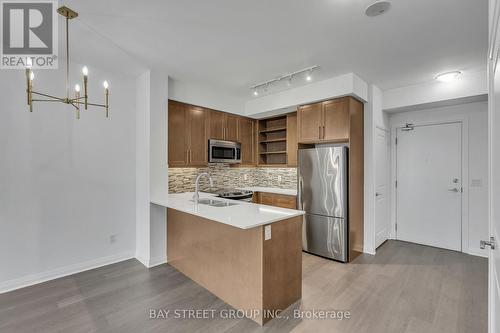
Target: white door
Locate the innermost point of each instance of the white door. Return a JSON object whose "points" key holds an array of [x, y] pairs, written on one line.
{"points": [[429, 196], [381, 186], [494, 161]]}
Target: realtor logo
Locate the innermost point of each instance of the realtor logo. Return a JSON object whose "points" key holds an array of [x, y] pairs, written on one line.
{"points": [[29, 30]]}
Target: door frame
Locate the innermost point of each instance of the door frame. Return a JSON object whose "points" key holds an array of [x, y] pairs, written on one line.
{"points": [[389, 182], [465, 177]]}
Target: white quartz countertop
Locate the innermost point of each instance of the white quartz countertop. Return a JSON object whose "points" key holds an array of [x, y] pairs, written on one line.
{"points": [[244, 215], [270, 190]]}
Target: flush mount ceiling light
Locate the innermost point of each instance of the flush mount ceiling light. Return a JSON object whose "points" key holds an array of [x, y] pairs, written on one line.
{"points": [[448, 76], [77, 100], [264, 86], [377, 8]]}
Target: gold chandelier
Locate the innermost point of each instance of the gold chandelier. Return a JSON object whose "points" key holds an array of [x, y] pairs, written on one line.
{"points": [[77, 100]]}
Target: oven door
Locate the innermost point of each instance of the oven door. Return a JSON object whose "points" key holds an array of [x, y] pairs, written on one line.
{"points": [[223, 152]]}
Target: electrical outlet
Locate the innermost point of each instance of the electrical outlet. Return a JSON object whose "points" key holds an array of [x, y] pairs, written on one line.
{"points": [[112, 239]]}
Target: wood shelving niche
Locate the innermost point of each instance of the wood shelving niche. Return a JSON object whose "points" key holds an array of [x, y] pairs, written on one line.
{"points": [[273, 141]]}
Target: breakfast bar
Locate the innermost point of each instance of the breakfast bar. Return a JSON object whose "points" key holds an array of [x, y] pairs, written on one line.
{"points": [[249, 255]]}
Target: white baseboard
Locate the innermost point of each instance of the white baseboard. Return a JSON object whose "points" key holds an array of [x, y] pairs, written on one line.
{"points": [[157, 261], [32, 279], [478, 253]]}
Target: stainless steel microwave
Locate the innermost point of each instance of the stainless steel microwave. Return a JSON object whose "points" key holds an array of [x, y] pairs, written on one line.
{"points": [[224, 152]]}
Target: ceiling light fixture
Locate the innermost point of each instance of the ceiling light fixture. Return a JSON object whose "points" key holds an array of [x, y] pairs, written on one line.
{"points": [[377, 8], [288, 77], [77, 100], [448, 76], [309, 76]]}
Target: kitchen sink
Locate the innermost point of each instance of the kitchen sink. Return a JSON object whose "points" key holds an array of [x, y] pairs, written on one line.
{"points": [[216, 203]]}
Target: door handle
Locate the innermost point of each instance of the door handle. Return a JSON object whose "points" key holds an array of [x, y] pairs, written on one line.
{"points": [[453, 190], [491, 243], [377, 194]]}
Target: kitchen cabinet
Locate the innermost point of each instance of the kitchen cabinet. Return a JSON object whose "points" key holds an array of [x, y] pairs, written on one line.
{"points": [[336, 120], [232, 133], [187, 135], [197, 135], [277, 200], [291, 139], [324, 122], [310, 122], [223, 126], [177, 138], [246, 132]]}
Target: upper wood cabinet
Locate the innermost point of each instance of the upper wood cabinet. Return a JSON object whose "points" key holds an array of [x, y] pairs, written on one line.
{"points": [[222, 126], [232, 128], [324, 122], [310, 122], [336, 120], [197, 134], [190, 127], [177, 138], [187, 135], [246, 130], [216, 125], [291, 139]]}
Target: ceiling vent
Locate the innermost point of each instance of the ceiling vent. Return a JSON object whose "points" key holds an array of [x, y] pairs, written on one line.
{"points": [[377, 8]]}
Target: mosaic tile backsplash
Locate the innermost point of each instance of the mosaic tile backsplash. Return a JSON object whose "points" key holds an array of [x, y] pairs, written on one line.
{"points": [[182, 179]]}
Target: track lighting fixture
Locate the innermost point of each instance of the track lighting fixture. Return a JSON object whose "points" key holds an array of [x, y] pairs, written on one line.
{"points": [[264, 86]]}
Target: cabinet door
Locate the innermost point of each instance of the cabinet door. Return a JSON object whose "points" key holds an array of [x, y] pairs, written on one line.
{"points": [[310, 122], [198, 142], [266, 199], [291, 139], [216, 125], [177, 136], [246, 132], [285, 201], [232, 128], [336, 120]]}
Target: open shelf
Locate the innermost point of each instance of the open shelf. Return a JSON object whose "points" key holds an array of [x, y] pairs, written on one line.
{"points": [[272, 137]]}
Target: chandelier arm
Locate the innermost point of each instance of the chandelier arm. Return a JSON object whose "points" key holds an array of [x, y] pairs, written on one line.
{"points": [[47, 100], [49, 96], [99, 105]]}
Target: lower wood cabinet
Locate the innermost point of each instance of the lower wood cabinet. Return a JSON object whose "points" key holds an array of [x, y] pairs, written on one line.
{"points": [[277, 200]]}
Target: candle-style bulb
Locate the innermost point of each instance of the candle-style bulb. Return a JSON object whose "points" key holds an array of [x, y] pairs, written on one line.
{"points": [[29, 63], [85, 71], [105, 84], [32, 76], [77, 88]]}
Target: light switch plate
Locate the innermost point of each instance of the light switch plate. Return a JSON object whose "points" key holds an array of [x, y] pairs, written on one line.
{"points": [[267, 232]]}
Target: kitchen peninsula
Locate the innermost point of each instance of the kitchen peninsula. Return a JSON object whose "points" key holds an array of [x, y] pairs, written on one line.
{"points": [[249, 255]]}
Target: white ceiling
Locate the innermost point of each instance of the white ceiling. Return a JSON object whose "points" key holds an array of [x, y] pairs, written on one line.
{"points": [[232, 44]]}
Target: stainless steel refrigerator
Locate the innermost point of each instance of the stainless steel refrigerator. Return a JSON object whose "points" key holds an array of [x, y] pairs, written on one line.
{"points": [[322, 194]]}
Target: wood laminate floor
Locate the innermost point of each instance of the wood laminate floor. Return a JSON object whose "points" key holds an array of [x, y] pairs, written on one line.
{"points": [[404, 288]]}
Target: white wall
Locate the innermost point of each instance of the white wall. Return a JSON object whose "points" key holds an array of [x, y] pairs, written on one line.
{"points": [[152, 171], [205, 96], [469, 84], [477, 118], [343, 85], [67, 185]]}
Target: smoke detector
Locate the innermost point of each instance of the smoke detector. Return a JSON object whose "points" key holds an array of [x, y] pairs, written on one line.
{"points": [[377, 8]]}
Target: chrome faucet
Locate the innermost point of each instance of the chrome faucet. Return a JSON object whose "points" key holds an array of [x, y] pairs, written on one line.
{"points": [[196, 196]]}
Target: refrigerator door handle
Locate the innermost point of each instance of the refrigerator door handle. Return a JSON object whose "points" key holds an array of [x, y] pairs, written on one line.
{"points": [[299, 193]]}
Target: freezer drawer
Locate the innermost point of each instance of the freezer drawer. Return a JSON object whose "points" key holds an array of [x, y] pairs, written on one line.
{"points": [[325, 236]]}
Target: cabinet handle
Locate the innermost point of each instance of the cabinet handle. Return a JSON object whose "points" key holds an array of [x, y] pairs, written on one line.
{"points": [[323, 132], [319, 132]]}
